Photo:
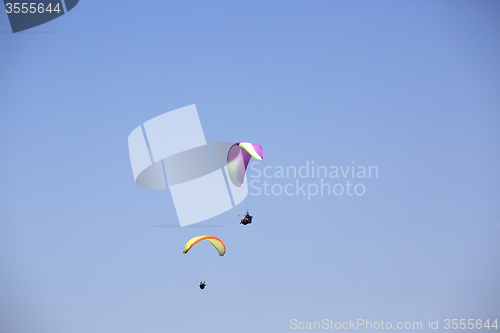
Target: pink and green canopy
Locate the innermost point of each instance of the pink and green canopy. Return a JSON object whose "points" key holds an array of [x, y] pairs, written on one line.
{"points": [[238, 157]]}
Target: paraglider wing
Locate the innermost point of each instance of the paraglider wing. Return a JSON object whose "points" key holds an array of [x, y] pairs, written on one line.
{"points": [[238, 157], [217, 243]]}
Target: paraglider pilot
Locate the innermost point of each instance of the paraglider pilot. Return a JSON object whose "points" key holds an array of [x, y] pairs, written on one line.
{"points": [[247, 219], [202, 285]]}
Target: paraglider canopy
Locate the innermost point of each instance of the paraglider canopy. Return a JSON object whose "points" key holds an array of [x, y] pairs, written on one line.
{"points": [[238, 157], [217, 243]]}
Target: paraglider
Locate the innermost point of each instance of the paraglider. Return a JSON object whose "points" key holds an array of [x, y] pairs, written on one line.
{"points": [[238, 157], [247, 219], [216, 242]]}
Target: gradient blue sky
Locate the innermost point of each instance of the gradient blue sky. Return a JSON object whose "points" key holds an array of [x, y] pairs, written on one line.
{"points": [[409, 86]]}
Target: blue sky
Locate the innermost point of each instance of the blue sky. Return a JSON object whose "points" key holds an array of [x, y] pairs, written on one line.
{"points": [[410, 87]]}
